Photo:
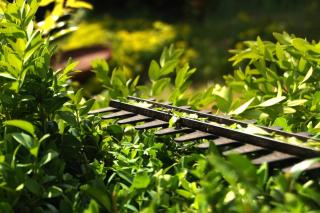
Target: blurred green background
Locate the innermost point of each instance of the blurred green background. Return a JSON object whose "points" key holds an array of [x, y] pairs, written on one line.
{"points": [[136, 31]]}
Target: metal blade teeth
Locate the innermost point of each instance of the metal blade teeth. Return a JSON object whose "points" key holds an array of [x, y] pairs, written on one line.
{"points": [[227, 143]]}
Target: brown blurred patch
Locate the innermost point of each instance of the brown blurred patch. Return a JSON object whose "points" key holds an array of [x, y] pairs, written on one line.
{"points": [[84, 56]]}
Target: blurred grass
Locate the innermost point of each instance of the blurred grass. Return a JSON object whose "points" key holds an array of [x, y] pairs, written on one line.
{"points": [[137, 31]]}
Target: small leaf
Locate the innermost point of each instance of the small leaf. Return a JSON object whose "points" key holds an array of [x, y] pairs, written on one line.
{"points": [[86, 107], [168, 67], [300, 44], [68, 117], [116, 131], [272, 101], [7, 76], [101, 68], [53, 191], [279, 89], [281, 122], [78, 96], [4, 206], [97, 191], [33, 186], [283, 38], [279, 52], [184, 193], [297, 102], [79, 4], [308, 75], [25, 125], [173, 120], [141, 180], [159, 86], [302, 64], [252, 129], [288, 110], [297, 169], [24, 139], [154, 70], [92, 208], [48, 157], [242, 108]]}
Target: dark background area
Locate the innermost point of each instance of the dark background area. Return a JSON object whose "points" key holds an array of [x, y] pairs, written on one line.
{"points": [[214, 26]]}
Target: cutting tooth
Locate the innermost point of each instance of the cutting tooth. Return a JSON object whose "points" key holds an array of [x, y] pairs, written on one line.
{"points": [[245, 149], [120, 114], [276, 159], [134, 119], [172, 130], [102, 110], [195, 136], [152, 124]]}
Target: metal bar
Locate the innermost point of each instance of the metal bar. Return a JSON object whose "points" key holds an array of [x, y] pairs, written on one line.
{"points": [[224, 119], [239, 135]]}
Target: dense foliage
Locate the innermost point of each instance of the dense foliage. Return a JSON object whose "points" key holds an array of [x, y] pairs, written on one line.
{"points": [[56, 158], [281, 82]]}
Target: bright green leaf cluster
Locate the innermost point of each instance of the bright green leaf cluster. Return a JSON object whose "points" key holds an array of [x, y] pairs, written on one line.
{"points": [[278, 80]]}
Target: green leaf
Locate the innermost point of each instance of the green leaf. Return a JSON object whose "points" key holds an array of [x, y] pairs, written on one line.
{"points": [[282, 122], [79, 4], [101, 68], [173, 120], [51, 154], [159, 86], [302, 64], [168, 67], [68, 117], [141, 180], [97, 191], [185, 193], [33, 186], [53, 191], [253, 129], [297, 169], [272, 101], [116, 131], [71, 65], [86, 107], [283, 38], [24, 139], [92, 208], [78, 96], [288, 110], [24, 125], [154, 71], [7, 76], [6, 207], [300, 44], [279, 52], [242, 108], [308, 75], [297, 102]]}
